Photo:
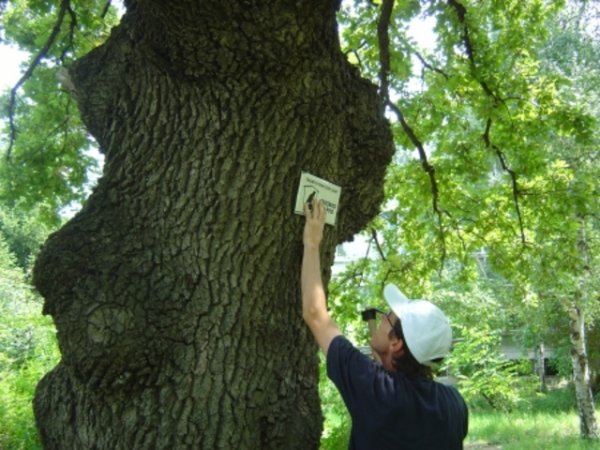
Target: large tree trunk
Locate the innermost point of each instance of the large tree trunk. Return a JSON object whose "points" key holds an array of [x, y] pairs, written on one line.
{"points": [[581, 376], [175, 290]]}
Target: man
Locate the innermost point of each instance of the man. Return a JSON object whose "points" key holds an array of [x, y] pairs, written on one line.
{"points": [[394, 403]]}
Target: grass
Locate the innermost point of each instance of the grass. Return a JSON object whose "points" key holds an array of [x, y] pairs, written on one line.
{"points": [[18, 430], [546, 421], [528, 431]]}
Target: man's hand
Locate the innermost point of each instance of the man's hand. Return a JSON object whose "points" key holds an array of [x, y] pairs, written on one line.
{"points": [[315, 222]]}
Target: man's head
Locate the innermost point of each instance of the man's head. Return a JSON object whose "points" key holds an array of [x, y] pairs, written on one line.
{"points": [[414, 329]]}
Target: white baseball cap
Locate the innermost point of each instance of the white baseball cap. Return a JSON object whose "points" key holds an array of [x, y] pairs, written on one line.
{"points": [[427, 331]]}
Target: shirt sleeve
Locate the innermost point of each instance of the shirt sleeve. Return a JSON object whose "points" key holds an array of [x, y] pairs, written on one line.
{"points": [[360, 380]]}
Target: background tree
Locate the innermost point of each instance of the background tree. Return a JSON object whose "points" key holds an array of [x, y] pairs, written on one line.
{"points": [[27, 345], [499, 162], [24, 233], [47, 160]]}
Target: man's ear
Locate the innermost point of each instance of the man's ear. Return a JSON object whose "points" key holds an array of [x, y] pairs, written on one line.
{"points": [[397, 347]]}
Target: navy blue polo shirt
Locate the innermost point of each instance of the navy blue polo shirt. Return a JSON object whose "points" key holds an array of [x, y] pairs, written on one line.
{"points": [[392, 411]]}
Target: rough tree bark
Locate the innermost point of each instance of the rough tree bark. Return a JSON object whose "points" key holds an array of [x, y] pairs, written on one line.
{"points": [[175, 290]]}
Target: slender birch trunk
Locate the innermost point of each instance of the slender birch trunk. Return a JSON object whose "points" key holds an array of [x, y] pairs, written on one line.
{"points": [[579, 357], [541, 366], [581, 375]]}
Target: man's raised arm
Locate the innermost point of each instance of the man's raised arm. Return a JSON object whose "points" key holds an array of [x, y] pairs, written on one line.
{"points": [[314, 302]]}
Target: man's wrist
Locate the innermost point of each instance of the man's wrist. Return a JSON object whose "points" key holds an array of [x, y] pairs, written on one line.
{"points": [[312, 246]]}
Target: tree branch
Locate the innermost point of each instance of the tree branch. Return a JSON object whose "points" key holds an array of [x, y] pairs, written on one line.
{"points": [[513, 175], [64, 6], [379, 249], [406, 266], [461, 12], [384, 69], [105, 9], [430, 67], [72, 27], [355, 52], [430, 170], [384, 51]]}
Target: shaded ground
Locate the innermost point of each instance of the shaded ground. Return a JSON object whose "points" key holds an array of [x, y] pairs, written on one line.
{"points": [[482, 446]]}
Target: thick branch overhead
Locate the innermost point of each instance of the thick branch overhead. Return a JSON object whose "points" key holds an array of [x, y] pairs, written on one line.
{"points": [[461, 12], [513, 176], [383, 37], [430, 170]]}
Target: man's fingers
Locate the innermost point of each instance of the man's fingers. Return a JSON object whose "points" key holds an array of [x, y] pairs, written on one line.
{"points": [[317, 211], [321, 210], [307, 209]]}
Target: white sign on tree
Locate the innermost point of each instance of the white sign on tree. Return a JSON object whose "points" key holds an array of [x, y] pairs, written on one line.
{"points": [[312, 186]]}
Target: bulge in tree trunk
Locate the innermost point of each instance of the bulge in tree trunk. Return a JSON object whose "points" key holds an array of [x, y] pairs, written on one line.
{"points": [[175, 290]]}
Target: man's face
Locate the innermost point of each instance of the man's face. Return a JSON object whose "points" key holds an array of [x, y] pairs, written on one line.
{"points": [[380, 332]]}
